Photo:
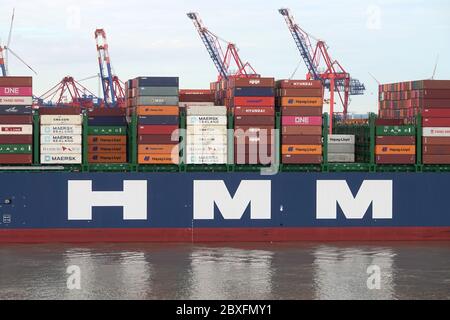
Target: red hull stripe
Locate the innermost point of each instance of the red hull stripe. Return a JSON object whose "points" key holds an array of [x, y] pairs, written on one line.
{"points": [[224, 234]]}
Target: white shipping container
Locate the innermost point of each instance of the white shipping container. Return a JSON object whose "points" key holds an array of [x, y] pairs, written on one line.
{"points": [[436, 132], [61, 149], [61, 159], [16, 101], [341, 139], [208, 149], [206, 159], [206, 120], [206, 130], [207, 139], [341, 158], [62, 129], [16, 129], [61, 139], [208, 110], [61, 119]]}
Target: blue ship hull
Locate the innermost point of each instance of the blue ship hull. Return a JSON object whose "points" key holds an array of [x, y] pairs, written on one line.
{"points": [[118, 207]]}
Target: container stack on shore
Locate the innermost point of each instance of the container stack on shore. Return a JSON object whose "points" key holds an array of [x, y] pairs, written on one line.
{"points": [[301, 104], [156, 102], [206, 135], [341, 148], [16, 120], [107, 136], [395, 144], [252, 103], [61, 135]]}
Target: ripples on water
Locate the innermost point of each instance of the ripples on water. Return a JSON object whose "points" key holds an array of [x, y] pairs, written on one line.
{"points": [[247, 271]]}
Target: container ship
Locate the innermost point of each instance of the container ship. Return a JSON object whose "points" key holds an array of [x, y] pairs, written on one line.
{"points": [[250, 159]]}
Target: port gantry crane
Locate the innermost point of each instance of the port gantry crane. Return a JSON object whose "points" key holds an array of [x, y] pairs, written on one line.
{"points": [[113, 88], [222, 60], [334, 78]]}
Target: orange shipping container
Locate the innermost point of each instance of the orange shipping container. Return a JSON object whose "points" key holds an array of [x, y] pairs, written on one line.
{"points": [[157, 148], [121, 140], [107, 148], [158, 159], [395, 149], [302, 149], [301, 102], [158, 110], [107, 157]]}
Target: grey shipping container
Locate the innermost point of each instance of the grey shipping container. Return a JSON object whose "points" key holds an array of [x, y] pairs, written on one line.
{"points": [[157, 101], [341, 148], [341, 158], [157, 91], [158, 120], [158, 82]]}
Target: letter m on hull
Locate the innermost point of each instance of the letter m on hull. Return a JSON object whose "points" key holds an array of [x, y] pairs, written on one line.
{"points": [[378, 193], [208, 193]]}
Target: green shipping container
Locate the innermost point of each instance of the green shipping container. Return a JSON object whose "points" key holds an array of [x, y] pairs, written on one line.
{"points": [[409, 130], [107, 131], [15, 148]]}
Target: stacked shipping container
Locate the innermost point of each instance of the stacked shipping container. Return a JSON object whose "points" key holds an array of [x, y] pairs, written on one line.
{"points": [[107, 135], [301, 104], [252, 103], [196, 97], [156, 102], [16, 120], [395, 144], [61, 135], [341, 148], [436, 135], [206, 136]]}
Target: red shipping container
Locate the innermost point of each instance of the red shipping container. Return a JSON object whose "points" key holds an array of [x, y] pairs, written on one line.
{"points": [[436, 141], [436, 113], [60, 110], [254, 111], [157, 129], [300, 92], [157, 139], [254, 120], [302, 111], [395, 140], [16, 91], [436, 159], [301, 130], [301, 159], [395, 159], [296, 84], [254, 102], [301, 140], [16, 119], [436, 122], [251, 82], [436, 150], [253, 159], [16, 158], [389, 122], [107, 112], [16, 81], [16, 139]]}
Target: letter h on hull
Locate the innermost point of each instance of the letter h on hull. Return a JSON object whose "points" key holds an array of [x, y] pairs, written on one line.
{"points": [[81, 199]]}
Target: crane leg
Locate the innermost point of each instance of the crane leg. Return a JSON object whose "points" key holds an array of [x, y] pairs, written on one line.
{"points": [[331, 105]]}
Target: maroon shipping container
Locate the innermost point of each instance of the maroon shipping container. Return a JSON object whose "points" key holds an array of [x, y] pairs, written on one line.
{"points": [[16, 139], [156, 139], [301, 159], [107, 112], [396, 140], [433, 103], [301, 130], [301, 111], [435, 94], [254, 129], [436, 159], [436, 122], [197, 97], [436, 84], [300, 93], [16, 81], [436, 113], [16, 119], [59, 110], [16, 158], [395, 159], [251, 82], [254, 111], [436, 141], [254, 148], [297, 84], [157, 129], [389, 122], [436, 150], [301, 140], [254, 120]]}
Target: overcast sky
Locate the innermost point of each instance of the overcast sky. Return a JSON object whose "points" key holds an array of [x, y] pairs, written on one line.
{"points": [[395, 40]]}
